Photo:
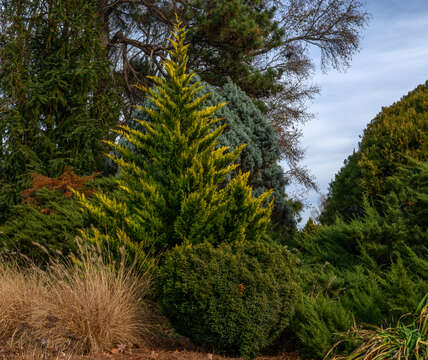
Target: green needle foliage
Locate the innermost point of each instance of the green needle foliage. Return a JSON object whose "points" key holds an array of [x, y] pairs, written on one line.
{"points": [[56, 102], [44, 230], [398, 132], [246, 124], [173, 176], [235, 298], [371, 270]]}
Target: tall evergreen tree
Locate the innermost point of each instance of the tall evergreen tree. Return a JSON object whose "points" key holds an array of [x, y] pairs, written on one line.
{"points": [[170, 177], [261, 44], [56, 102], [396, 133]]}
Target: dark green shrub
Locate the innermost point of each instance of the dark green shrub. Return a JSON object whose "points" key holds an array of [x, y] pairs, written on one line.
{"points": [[47, 226], [373, 269], [334, 297], [398, 132], [45, 229], [318, 321], [231, 299], [381, 297]]}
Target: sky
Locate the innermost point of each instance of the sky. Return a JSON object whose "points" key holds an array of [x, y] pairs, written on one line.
{"points": [[393, 60]]}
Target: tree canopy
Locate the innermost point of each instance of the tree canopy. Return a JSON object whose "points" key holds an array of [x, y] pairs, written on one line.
{"points": [[398, 132], [262, 45]]}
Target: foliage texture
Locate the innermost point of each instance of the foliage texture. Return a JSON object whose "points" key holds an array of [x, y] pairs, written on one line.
{"points": [[56, 102], [262, 45], [234, 298], [408, 340], [246, 124], [372, 269], [396, 133], [44, 225]]}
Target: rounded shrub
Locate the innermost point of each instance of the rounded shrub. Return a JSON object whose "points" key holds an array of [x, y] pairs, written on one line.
{"points": [[232, 299]]}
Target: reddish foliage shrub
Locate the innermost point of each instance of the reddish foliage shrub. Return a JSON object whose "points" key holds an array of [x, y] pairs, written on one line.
{"points": [[67, 181]]}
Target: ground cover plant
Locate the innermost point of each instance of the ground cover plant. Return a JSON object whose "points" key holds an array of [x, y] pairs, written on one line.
{"points": [[44, 225]]}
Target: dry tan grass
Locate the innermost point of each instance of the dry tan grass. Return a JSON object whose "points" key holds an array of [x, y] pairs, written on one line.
{"points": [[81, 307], [20, 290]]}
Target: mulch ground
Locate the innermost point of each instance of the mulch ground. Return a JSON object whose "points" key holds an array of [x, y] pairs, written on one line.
{"points": [[121, 353], [7, 353]]}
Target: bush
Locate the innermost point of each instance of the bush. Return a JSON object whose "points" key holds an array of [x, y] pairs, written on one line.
{"points": [[372, 270], [318, 321], [398, 132], [231, 299], [46, 222], [38, 231]]}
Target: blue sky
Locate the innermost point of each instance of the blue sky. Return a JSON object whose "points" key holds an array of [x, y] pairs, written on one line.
{"points": [[392, 61]]}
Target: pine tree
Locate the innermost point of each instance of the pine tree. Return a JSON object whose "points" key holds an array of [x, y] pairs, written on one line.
{"points": [[229, 38], [172, 177]]}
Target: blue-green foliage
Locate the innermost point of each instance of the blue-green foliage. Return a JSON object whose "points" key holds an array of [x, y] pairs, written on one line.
{"points": [[247, 125]]}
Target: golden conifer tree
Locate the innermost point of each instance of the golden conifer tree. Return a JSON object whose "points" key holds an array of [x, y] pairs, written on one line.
{"points": [[172, 178]]}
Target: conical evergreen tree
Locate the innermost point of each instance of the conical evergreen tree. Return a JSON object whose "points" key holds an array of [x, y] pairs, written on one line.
{"points": [[246, 124], [172, 177]]}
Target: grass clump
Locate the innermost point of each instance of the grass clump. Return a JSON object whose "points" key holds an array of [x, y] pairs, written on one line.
{"points": [[84, 306], [408, 340]]}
